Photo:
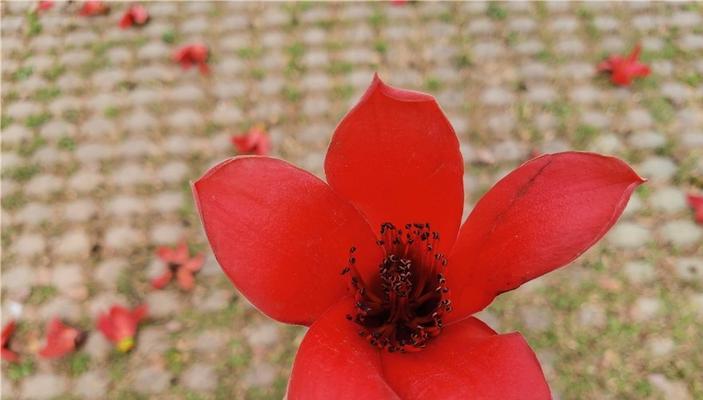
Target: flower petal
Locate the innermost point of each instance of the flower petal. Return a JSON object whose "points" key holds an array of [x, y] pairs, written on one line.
{"points": [[467, 361], [538, 218], [282, 235], [334, 362], [396, 158]]}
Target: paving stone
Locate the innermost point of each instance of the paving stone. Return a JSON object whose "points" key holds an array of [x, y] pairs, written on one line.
{"points": [[43, 386], [29, 245], [607, 143], [647, 140], [657, 168], [628, 235], [670, 389], [689, 269], [210, 341], [19, 278], [682, 233], [669, 200], [536, 319], [173, 172], [151, 380], [592, 315], [92, 385], [660, 346], [260, 375], [645, 309], [163, 303], [67, 277], [73, 244], [262, 335], [61, 307], [152, 340], [639, 272], [200, 378], [122, 237], [79, 210], [33, 214]]}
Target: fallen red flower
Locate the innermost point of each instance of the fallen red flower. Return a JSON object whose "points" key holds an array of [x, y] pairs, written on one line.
{"points": [[61, 339], [389, 326], [696, 203], [624, 69], [93, 8], [7, 331], [45, 5], [192, 55], [254, 141], [120, 325], [178, 263], [135, 15]]}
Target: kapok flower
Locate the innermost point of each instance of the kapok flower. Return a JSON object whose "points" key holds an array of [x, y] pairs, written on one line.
{"points": [[7, 331], [376, 263], [61, 339], [624, 69], [120, 325], [254, 141], [135, 15], [92, 8], [192, 55], [696, 203], [178, 263], [45, 5]]}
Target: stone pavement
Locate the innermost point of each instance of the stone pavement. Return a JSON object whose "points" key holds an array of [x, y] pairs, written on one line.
{"points": [[101, 133]]}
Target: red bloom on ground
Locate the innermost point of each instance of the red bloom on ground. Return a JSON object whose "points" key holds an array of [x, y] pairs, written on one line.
{"points": [[120, 325], [45, 5], [254, 141], [624, 69], [696, 203], [192, 55], [135, 15], [61, 339], [178, 263], [7, 331], [93, 8], [375, 260]]}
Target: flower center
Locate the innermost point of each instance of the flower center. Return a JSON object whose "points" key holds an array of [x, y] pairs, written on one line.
{"points": [[401, 308]]}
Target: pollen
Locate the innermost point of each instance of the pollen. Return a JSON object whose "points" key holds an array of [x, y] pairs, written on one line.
{"points": [[401, 308]]}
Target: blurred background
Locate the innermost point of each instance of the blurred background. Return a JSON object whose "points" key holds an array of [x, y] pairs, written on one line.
{"points": [[102, 132]]}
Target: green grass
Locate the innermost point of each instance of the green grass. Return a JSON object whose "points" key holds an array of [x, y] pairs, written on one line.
{"points": [[41, 294], [22, 73], [37, 120], [496, 12], [19, 370]]}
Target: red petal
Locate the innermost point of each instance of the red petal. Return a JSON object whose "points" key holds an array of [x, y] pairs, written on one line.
{"points": [[282, 235], [396, 158], [126, 20], [162, 280], [466, 361], [60, 339], [195, 263], [7, 331], [185, 279], [333, 362], [696, 203], [538, 218], [9, 355]]}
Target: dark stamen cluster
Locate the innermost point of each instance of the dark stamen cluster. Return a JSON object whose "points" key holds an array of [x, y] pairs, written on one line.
{"points": [[401, 308]]}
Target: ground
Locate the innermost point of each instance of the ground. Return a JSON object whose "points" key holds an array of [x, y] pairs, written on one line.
{"points": [[102, 132]]}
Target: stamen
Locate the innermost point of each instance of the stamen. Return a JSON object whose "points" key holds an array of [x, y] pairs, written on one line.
{"points": [[402, 309]]}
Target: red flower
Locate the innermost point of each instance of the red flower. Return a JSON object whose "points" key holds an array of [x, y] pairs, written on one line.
{"points": [[193, 54], [7, 331], [61, 339], [120, 325], [92, 8], [45, 5], [178, 262], [135, 15], [255, 141], [398, 322], [624, 69], [696, 203]]}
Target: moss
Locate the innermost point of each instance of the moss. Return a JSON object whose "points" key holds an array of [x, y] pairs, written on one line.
{"points": [[41, 294]]}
